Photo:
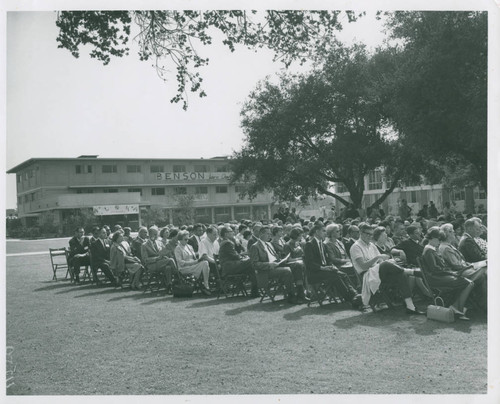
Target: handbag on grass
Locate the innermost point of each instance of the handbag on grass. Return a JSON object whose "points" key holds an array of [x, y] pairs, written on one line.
{"points": [[182, 287], [439, 312]]}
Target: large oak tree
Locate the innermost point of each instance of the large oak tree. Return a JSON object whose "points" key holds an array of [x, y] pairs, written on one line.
{"points": [[308, 131]]}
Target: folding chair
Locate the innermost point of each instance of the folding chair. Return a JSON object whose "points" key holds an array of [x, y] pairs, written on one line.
{"points": [[56, 262], [321, 291], [151, 279], [268, 288]]}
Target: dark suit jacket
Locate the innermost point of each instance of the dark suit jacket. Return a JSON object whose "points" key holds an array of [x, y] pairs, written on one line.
{"points": [[76, 248], [228, 256], [148, 252], [348, 242], [193, 242], [332, 254], [412, 250], [259, 258], [100, 253], [278, 248], [251, 242], [470, 250], [312, 258], [136, 246]]}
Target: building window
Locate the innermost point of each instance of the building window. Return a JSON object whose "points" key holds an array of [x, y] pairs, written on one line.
{"points": [[78, 169], [133, 168], [89, 169], [375, 179], [26, 198], [458, 194], [139, 190], [26, 175], [110, 190], [222, 169], [479, 193], [19, 200], [222, 214], [413, 197], [180, 191], [221, 189], [156, 168], [157, 191], [31, 173], [18, 178], [179, 168], [241, 212], [203, 215], [85, 191], [200, 168], [109, 169], [201, 190]]}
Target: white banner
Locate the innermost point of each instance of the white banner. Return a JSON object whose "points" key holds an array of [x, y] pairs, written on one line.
{"points": [[106, 210]]}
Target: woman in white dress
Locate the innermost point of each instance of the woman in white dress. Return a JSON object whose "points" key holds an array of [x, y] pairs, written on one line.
{"points": [[188, 264]]}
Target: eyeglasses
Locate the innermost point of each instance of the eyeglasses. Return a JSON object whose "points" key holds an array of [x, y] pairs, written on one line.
{"points": [[367, 233]]}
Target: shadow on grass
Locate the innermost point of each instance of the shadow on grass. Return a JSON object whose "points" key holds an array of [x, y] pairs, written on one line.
{"points": [[317, 310], [54, 285], [221, 300], [140, 295], [420, 324], [265, 306]]}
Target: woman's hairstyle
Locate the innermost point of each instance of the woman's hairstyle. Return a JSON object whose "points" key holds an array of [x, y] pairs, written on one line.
{"points": [[115, 236], [434, 232], [182, 234], [377, 232], [295, 233]]}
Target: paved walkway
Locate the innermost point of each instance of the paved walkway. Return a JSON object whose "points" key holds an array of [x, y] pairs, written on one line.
{"points": [[27, 253]]}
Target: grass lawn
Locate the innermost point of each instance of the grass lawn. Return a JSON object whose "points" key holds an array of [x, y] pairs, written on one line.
{"points": [[78, 340]]}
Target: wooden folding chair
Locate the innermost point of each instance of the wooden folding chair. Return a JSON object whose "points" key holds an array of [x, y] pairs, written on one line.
{"points": [[56, 262], [268, 288]]}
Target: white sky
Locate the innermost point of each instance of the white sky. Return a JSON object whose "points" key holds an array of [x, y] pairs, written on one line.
{"points": [[59, 106]]}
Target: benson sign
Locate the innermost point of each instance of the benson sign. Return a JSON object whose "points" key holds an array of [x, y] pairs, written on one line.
{"points": [[192, 176]]}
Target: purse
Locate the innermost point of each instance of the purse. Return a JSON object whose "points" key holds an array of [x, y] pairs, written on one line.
{"points": [[439, 312], [182, 288]]}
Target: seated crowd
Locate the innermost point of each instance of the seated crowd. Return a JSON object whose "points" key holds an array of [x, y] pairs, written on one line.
{"points": [[353, 259]]}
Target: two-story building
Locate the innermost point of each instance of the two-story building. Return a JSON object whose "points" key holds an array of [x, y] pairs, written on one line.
{"points": [[416, 194], [119, 189]]}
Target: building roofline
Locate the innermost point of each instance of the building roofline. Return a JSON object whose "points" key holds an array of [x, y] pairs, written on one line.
{"points": [[33, 160]]}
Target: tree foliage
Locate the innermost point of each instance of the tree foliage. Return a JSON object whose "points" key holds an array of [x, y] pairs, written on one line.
{"points": [[328, 126], [437, 96], [174, 37], [184, 210]]}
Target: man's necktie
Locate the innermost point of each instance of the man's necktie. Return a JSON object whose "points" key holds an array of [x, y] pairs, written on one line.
{"points": [[323, 260]]}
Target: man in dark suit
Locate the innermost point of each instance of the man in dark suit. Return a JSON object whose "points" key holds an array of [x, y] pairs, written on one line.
{"points": [[137, 243], [352, 236], [255, 235], [233, 263], [78, 252], [99, 252], [467, 245], [154, 257], [411, 246], [318, 270], [195, 240], [263, 258]]}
